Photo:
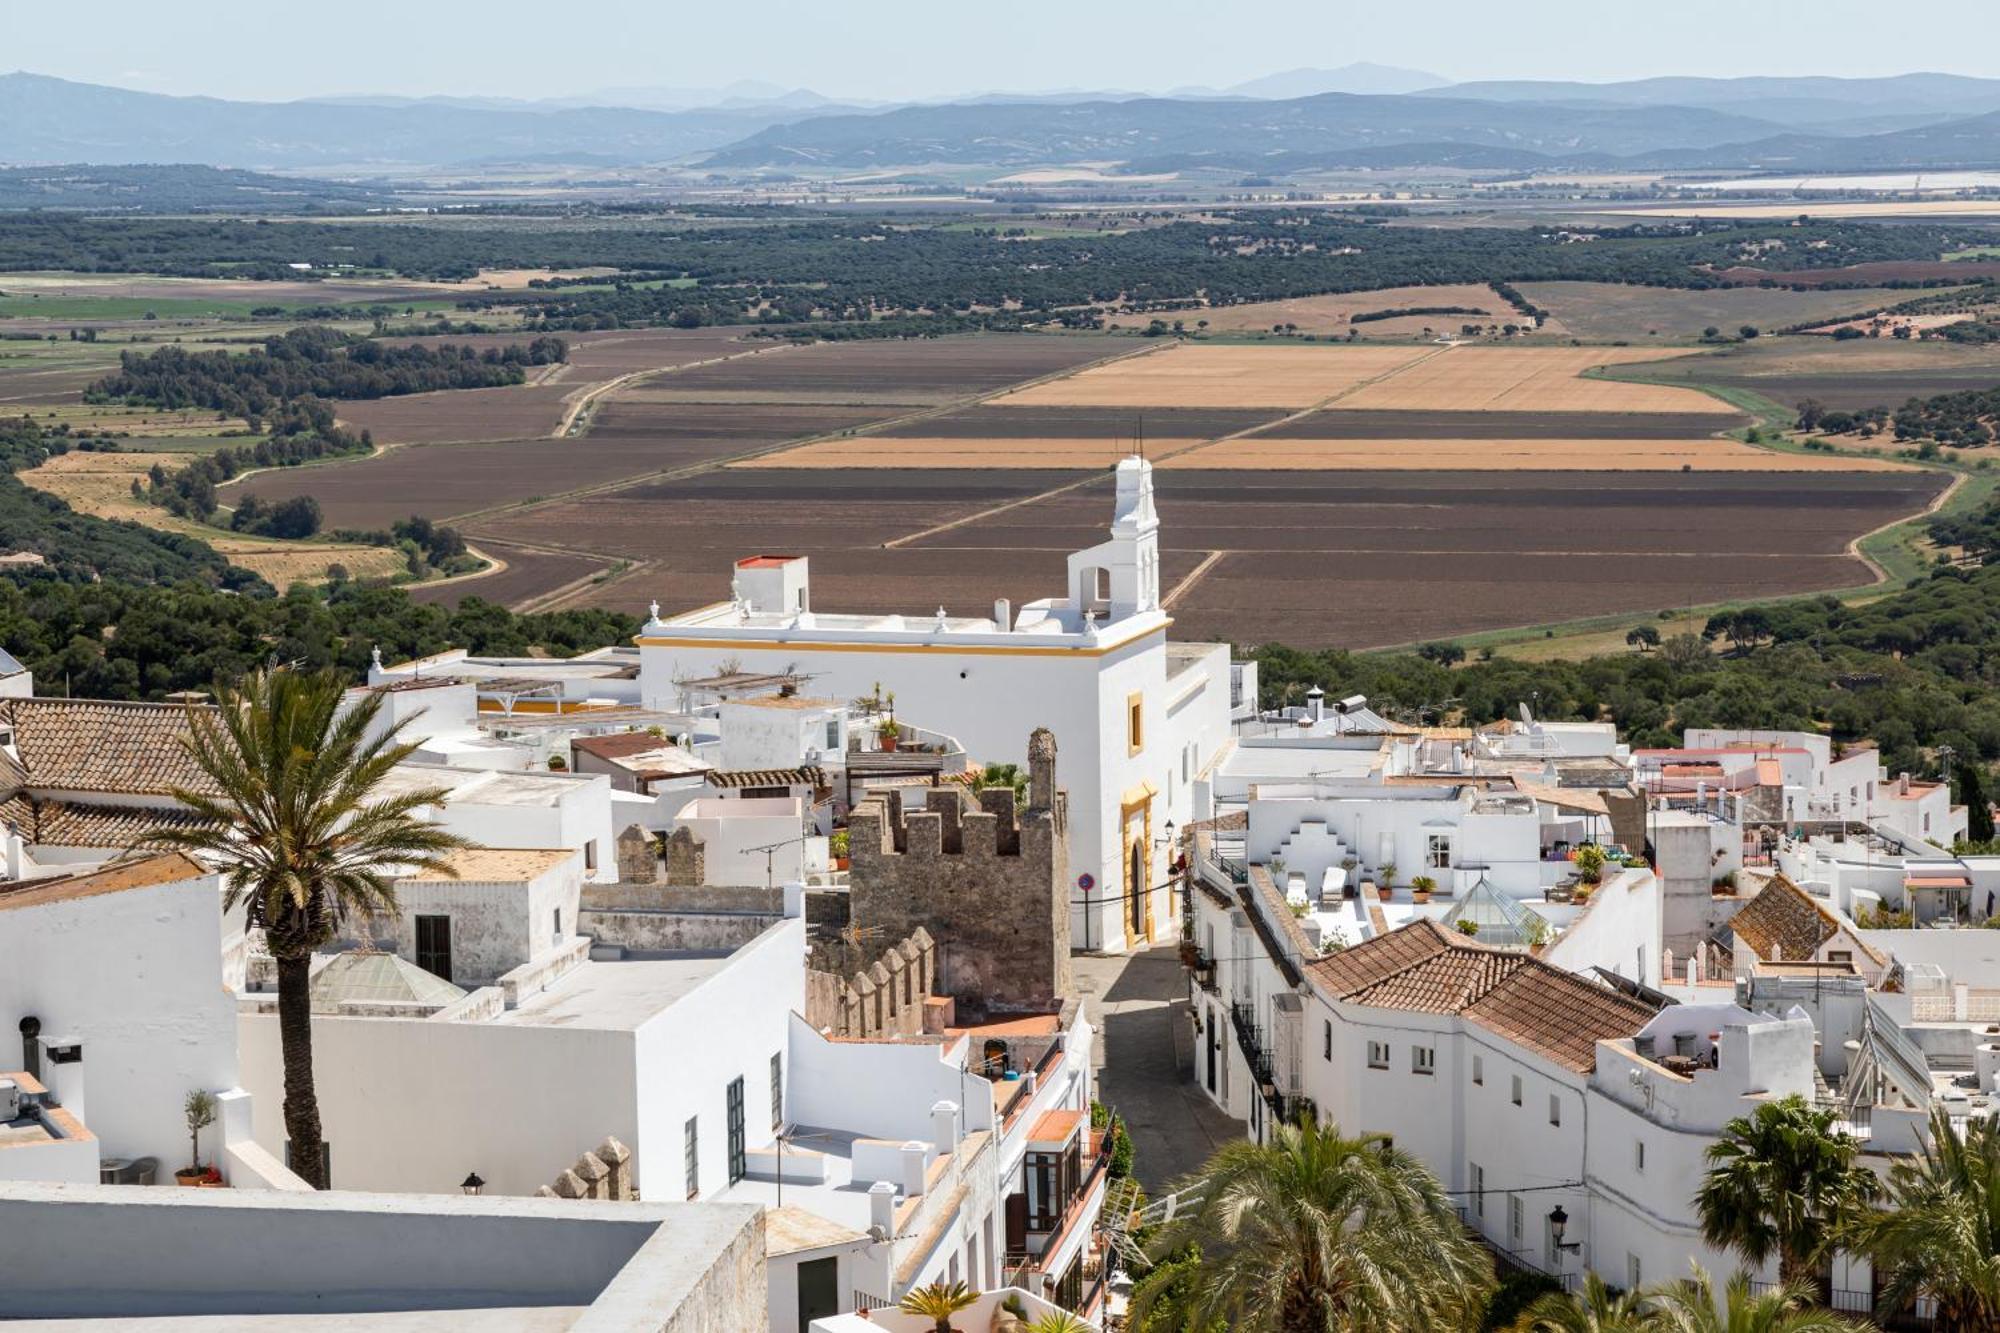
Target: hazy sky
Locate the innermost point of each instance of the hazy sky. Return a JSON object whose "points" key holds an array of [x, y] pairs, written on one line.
{"points": [[894, 49]]}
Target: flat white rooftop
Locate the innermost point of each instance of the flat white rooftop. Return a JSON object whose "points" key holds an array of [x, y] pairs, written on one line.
{"points": [[841, 1199], [482, 786], [1038, 623], [616, 996]]}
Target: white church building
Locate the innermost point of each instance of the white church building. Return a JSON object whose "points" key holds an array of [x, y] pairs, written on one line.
{"points": [[1136, 719]]}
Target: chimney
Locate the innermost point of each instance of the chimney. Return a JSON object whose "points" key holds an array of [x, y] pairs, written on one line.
{"points": [[1042, 769], [914, 1153], [1315, 703], [944, 1126], [882, 1208], [1003, 614]]}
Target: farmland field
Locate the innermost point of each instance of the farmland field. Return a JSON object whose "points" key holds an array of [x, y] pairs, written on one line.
{"points": [[1621, 310], [1317, 494], [1521, 379], [1355, 558], [1863, 372], [1335, 313], [628, 440], [1208, 376]]}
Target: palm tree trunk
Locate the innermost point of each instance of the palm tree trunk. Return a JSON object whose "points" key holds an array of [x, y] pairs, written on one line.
{"points": [[295, 1037]]}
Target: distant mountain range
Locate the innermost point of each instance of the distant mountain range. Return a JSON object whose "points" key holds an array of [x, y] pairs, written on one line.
{"points": [[1355, 116], [53, 120]]}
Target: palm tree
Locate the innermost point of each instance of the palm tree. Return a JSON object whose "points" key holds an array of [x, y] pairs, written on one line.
{"points": [[1782, 1181], [1690, 1306], [1596, 1309], [938, 1302], [1940, 1235], [1315, 1232], [303, 842]]}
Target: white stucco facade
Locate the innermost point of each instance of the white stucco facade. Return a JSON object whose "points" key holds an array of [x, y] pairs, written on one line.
{"points": [[1134, 722]]}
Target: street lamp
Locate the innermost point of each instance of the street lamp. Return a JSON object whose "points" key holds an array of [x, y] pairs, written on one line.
{"points": [[472, 1184], [1558, 1225]]}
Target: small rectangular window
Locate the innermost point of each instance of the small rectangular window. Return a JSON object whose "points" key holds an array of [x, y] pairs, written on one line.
{"points": [[739, 1158], [1555, 1109], [590, 855], [1423, 1059], [1478, 1190], [1135, 723], [1378, 1055], [691, 1155], [1638, 1154], [1514, 1217], [1478, 1072], [777, 1089], [1634, 1278], [1326, 1041], [1517, 1089], [832, 733], [1437, 851]]}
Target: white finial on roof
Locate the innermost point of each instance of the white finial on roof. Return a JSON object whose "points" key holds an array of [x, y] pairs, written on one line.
{"points": [[940, 618], [375, 657], [653, 608]]}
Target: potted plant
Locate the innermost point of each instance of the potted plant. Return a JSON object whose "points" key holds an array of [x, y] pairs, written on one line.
{"points": [[1387, 873], [837, 845], [886, 732], [1467, 926], [1421, 888], [1589, 862], [211, 1179], [199, 1112], [938, 1302]]}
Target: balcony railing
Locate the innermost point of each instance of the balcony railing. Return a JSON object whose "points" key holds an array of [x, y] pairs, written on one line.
{"points": [[1250, 1036], [1915, 1320]]}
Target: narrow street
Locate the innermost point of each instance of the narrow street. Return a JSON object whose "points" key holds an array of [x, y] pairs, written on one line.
{"points": [[1137, 1002]]}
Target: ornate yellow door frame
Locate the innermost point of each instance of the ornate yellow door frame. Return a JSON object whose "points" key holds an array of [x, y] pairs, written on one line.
{"points": [[1135, 817]]}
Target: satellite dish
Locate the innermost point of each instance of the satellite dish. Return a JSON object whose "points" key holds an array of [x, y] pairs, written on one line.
{"points": [[1527, 718]]}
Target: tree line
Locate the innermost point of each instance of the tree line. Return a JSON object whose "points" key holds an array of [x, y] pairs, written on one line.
{"points": [[1962, 418], [1913, 672], [185, 635], [81, 547], [312, 362]]}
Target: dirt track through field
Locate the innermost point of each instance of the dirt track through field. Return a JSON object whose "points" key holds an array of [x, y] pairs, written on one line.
{"points": [[1306, 411]]}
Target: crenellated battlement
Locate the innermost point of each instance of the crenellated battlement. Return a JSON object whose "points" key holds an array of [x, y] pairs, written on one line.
{"points": [[987, 880]]}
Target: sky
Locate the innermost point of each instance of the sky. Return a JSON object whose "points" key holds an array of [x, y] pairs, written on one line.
{"points": [[889, 50]]}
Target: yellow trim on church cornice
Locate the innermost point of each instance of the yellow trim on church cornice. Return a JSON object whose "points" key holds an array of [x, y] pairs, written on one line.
{"points": [[962, 650]]}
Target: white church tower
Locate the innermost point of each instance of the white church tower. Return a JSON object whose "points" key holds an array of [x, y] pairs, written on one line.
{"points": [[1121, 578]]}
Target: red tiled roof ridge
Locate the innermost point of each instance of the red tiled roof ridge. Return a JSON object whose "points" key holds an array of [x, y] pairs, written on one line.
{"points": [[1425, 968]]}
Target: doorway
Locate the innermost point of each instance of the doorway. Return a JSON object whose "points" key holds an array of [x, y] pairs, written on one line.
{"points": [[819, 1289], [1135, 882]]}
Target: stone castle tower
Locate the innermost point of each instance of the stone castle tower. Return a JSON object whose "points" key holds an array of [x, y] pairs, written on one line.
{"points": [[990, 886]]}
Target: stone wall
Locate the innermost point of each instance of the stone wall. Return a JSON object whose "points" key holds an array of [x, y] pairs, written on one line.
{"points": [[990, 885], [853, 990]]}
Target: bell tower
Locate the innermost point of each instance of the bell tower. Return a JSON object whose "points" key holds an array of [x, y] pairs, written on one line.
{"points": [[1121, 577]]}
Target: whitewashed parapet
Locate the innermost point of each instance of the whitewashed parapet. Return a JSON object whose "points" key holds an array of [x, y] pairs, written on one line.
{"points": [[534, 976]]}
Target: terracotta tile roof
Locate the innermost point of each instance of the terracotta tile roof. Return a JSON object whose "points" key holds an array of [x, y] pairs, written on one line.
{"points": [[813, 777], [495, 865], [619, 744], [1785, 917], [75, 824], [1054, 1126], [142, 873], [101, 745], [1423, 968]]}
